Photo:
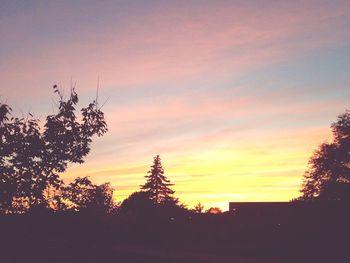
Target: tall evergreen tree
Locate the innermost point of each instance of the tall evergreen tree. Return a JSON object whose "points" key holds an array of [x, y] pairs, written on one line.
{"points": [[157, 185]]}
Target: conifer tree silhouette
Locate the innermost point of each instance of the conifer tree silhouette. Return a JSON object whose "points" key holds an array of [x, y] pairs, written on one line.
{"points": [[157, 185]]}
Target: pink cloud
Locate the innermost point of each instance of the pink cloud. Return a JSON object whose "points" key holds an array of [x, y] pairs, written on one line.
{"points": [[175, 47]]}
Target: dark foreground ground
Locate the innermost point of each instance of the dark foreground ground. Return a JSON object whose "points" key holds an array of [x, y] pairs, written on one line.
{"points": [[313, 236]]}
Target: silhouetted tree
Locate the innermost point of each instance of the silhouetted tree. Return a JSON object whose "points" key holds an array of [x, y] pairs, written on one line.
{"points": [[101, 199], [77, 194], [158, 186], [82, 194], [7, 182], [199, 208], [138, 203], [328, 175], [31, 158]]}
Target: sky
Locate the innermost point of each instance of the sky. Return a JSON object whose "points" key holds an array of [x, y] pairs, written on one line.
{"points": [[233, 95]]}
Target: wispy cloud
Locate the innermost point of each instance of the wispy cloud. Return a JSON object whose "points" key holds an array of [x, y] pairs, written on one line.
{"points": [[217, 88]]}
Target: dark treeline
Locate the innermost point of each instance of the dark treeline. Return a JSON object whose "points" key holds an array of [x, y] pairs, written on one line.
{"points": [[42, 218], [155, 235]]}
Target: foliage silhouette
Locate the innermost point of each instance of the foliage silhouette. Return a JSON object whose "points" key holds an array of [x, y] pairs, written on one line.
{"points": [[138, 204], [328, 175], [155, 200], [158, 186], [30, 163], [199, 208], [31, 157], [83, 195]]}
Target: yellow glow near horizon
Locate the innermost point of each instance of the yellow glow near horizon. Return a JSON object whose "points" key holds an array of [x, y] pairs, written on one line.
{"points": [[217, 175], [233, 97]]}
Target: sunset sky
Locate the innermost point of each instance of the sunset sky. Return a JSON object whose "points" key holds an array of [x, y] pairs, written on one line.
{"points": [[233, 95]]}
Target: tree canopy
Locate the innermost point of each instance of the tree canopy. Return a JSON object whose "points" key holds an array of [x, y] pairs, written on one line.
{"points": [[33, 155], [82, 194], [137, 204], [328, 175]]}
